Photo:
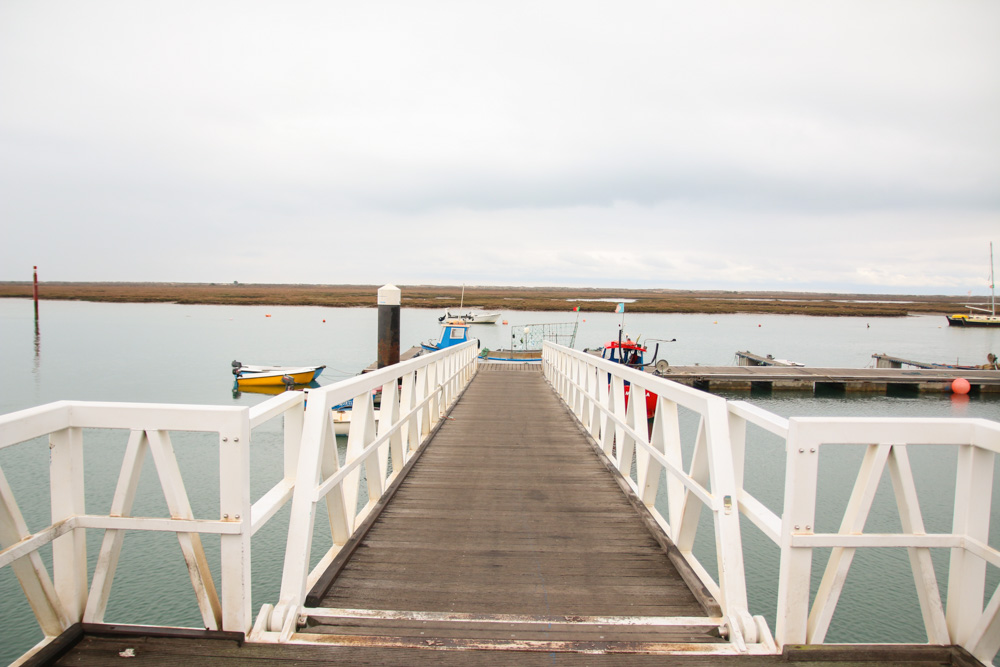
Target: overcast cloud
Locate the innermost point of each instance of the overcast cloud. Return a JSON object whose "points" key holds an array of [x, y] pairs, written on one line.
{"points": [[792, 145]]}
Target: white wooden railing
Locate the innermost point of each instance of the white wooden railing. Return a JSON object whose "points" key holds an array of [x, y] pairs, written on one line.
{"points": [[594, 390], [415, 395], [66, 597], [961, 617]]}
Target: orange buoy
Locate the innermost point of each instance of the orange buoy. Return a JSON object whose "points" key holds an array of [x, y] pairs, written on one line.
{"points": [[960, 386]]}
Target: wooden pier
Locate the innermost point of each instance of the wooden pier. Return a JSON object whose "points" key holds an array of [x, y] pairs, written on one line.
{"points": [[829, 381], [506, 542]]}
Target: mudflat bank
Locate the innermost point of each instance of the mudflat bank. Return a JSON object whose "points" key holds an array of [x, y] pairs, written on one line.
{"points": [[498, 298]]}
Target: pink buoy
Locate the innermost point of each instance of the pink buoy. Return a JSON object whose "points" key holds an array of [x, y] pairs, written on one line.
{"points": [[960, 386]]}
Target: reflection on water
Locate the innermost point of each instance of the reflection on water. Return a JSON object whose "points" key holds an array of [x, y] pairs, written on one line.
{"points": [[271, 390]]}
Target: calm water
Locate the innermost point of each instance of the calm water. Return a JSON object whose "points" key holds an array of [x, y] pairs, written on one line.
{"points": [[182, 354]]}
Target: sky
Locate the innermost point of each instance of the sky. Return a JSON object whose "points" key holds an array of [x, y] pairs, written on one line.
{"points": [[803, 146]]}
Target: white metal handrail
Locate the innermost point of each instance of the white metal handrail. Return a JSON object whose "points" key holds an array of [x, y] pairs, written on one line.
{"points": [[65, 597], [961, 617], [415, 395], [595, 390]]}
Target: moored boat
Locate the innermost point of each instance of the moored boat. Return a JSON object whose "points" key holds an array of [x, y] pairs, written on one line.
{"points": [[632, 354], [988, 318], [473, 317], [253, 376], [454, 331]]}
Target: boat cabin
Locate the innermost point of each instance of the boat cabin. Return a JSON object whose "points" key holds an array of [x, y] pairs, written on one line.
{"points": [[454, 331], [624, 352]]}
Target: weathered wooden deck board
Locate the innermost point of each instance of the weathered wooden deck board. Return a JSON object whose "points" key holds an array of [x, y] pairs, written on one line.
{"points": [[95, 650], [509, 511]]}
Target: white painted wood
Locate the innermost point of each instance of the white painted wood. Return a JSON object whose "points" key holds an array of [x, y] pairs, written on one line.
{"points": [[801, 470], [24, 425], [911, 521], [69, 552], [121, 506], [180, 508], [235, 507], [967, 574], [149, 425], [855, 516], [429, 384], [29, 569]]}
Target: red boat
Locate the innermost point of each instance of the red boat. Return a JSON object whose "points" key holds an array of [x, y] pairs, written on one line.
{"points": [[633, 355]]}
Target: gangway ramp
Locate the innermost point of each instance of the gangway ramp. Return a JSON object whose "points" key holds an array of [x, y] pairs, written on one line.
{"points": [[509, 532]]}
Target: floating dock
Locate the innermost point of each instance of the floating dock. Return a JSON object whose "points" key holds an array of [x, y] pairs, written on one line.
{"points": [[831, 381]]}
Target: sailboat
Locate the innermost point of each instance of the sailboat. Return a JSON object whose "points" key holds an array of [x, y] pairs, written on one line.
{"points": [[471, 316], [975, 319]]}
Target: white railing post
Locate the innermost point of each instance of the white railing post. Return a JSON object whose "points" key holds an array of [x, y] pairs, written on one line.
{"points": [[798, 518], [725, 496], [967, 573], [234, 505], [69, 552]]}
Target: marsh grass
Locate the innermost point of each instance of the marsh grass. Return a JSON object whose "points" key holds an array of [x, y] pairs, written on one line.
{"points": [[497, 298]]}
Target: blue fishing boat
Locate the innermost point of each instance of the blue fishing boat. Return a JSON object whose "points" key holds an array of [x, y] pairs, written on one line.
{"points": [[454, 331]]}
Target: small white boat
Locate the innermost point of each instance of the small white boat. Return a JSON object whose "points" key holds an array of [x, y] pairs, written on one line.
{"points": [[473, 317], [470, 316]]}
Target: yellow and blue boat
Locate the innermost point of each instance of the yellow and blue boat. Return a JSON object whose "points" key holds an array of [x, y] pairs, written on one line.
{"points": [[257, 376]]}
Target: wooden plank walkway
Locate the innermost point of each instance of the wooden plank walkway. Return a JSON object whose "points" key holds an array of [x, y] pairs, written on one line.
{"points": [[509, 527]]}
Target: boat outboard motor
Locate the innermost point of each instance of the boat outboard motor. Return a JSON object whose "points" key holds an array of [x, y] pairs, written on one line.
{"points": [[236, 367], [289, 382]]}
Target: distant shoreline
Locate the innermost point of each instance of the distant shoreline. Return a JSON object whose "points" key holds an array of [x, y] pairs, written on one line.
{"points": [[499, 298]]}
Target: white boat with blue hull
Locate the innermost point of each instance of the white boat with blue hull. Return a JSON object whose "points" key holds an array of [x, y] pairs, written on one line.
{"points": [[454, 331]]}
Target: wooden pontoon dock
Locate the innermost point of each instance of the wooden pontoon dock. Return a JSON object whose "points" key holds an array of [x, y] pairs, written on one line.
{"points": [[891, 381]]}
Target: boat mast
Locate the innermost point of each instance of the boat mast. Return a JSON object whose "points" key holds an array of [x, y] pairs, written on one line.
{"points": [[993, 298]]}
